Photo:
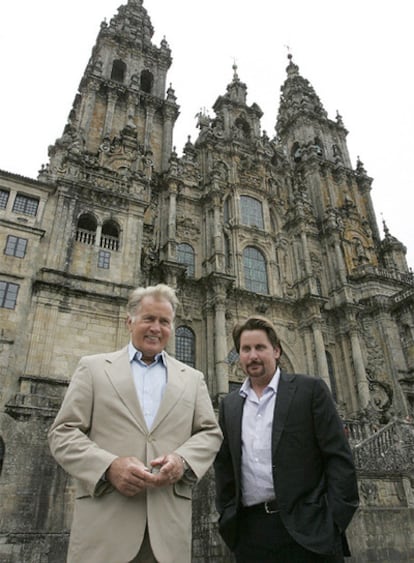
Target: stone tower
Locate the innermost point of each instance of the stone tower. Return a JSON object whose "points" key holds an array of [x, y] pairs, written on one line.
{"points": [[242, 222]]}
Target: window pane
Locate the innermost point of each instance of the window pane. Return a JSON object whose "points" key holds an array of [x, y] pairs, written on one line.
{"points": [[16, 246], [255, 276], [251, 212], [185, 345], [104, 259], [185, 255], [26, 205], [4, 197], [8, 295]]}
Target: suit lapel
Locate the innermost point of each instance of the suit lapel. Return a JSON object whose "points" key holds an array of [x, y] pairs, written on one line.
{"points": [[172, 393], [119, 373], [234, 422], [285, 392]]}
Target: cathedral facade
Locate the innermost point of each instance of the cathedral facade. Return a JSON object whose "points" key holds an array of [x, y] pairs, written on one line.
{"points": [[240, 223]]}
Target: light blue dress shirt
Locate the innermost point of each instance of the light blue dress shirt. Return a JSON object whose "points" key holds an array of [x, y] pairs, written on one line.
{"points": [[150, 381], [256, 464]]}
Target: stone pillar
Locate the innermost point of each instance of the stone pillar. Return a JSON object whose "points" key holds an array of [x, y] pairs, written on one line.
{"points": [[150, 111], [340, 263], [306, 254], [110, 110], [172, 217], [166, 142], [85, 119], [320, 352], [220, 342], [360, 373]]}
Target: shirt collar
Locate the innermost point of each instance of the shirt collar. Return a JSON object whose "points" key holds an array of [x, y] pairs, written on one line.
{"points": [[273, 383], [133, 352]]}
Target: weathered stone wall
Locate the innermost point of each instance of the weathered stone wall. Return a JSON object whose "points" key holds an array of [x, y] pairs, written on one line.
{"points": [[382, 535]]}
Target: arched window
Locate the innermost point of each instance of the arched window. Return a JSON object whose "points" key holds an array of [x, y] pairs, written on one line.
{"points": [[110, 235], [227, 252], [185, 255], [226, 210], [185, 345], [318, 286], [296, 152], [86, 229], [331, 373], [147, 81], [251, 211], [118, 71], [2, 453], [255, 275]]}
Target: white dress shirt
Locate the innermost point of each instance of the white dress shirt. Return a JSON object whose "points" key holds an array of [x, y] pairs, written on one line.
{"points": [[150, 381], [256, 464]]}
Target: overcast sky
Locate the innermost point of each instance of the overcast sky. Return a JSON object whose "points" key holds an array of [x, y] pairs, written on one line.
{"points": [[356, 54]]}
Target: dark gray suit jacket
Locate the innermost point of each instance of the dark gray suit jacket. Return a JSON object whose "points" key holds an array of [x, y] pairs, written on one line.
{"points": [[313, 471]]}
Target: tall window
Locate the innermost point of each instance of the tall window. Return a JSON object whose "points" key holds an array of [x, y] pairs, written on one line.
{"points": [[226, 210], [185, 345], [251, 212], [331, 373], [86, 229], [15, 246], [8, 295], [2, 453], [118, 71], [255, 275], [25, 205], [185, 255], [147, 80], [227, 252], [4, 198]]}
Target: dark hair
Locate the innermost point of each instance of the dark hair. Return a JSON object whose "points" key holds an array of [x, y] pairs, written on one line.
{"points": [[256, 323]]}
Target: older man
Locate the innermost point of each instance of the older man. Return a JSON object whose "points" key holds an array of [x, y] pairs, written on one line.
{"points": [[137, 430]]}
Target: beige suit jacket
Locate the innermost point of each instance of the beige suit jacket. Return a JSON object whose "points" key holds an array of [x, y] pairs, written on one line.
{"points": [[101, 419]]}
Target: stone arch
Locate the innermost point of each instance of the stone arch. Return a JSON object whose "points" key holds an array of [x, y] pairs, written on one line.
{"points": [[86, 228], [110, 235], [146, 81], [118, 71]]}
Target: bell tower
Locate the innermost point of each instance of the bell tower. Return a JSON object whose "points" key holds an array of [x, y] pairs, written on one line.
{"points": [[322, 172], [122, 117]]}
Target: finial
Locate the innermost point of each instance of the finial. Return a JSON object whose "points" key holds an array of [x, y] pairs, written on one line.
{"points": [[234, 67], [384, 225], [289, 55]]}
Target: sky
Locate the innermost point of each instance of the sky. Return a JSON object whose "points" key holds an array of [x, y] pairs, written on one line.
{"points": [[356, 54]]}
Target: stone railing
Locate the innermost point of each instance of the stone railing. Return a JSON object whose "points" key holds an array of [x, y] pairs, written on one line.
{"points": [[388, 449]]}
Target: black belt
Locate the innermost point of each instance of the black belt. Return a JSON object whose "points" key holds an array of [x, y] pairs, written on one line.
{"points": [[269, 507]]}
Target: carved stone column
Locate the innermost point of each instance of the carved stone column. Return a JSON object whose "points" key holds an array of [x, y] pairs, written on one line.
{"points": [[360, 373], [220, 343], [320, 352], [172, 220], [110, 110], [306, 254], [88, 105]]}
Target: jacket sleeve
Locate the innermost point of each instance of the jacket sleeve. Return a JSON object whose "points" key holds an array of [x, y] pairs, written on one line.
{"points": [[223, 468], [339, 469], [200, 448], [68, 436]]}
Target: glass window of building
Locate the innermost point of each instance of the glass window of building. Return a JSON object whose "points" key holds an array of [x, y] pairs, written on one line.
{"points": [[251, 212], [255, 275], [185, 345], [185, 255], [15, 246]]}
